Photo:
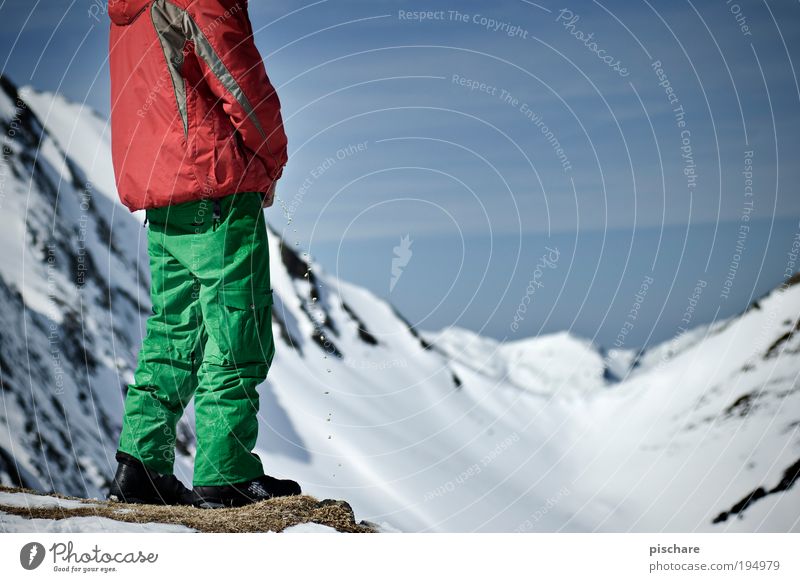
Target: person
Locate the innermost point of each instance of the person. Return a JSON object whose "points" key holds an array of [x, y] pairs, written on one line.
{"points": [[197, 143]]}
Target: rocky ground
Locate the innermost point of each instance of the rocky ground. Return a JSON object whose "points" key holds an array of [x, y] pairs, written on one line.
{"points": [[274, 515]]}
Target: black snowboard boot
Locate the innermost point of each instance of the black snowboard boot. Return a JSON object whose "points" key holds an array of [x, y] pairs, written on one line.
{"points": [[238, 494], [135, 483]]}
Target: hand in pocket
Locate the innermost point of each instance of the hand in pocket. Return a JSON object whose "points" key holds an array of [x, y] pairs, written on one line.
{"points": [[269, 196]]}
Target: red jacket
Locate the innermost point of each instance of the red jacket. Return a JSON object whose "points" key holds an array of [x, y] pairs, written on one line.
{"points": [[193, 113]]}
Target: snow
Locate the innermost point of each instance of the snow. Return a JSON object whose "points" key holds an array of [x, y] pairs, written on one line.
{"points": [[80, 131], [17, 523], [310, 528], [40, 501], [90, 524]]}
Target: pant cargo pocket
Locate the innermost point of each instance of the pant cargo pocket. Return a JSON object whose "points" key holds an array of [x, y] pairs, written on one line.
{"points": [[242, 327]]}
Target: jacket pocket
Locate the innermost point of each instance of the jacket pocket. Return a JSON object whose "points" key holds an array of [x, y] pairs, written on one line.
{"points": [[231, 163], [243, 326], [194, 138]]}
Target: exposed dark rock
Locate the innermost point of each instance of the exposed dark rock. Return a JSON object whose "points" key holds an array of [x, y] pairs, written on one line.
{"points": [[776, 345], [742, 406], [793, 280], [326, 344], [9, 467], [790, 477], [326, 321], [125, 294], [284, 333], [299, 269], [31, 128], [413, 331], [363, 333], [74, 345]]}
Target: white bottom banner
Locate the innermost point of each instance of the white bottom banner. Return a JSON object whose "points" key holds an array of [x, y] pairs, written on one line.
{"points": [[264, 557]]}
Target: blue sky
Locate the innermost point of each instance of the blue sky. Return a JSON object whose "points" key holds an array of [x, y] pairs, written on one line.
{"points": [[444, 130]]}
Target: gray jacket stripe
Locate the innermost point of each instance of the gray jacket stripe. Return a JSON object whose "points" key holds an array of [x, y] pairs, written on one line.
{"points": [[174, 27], [214, 62], [166, 19]]}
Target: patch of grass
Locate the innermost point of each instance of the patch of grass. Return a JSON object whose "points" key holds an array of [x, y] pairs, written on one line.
{"points": [[270, 515]]}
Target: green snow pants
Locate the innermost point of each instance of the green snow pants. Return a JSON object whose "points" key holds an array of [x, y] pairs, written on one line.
{"points": [[209, 336]]}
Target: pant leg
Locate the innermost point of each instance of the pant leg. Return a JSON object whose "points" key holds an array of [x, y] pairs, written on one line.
{"points": [[165, 378], [236, 301]]}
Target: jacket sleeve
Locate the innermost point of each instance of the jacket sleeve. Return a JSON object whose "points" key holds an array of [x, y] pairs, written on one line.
{"points": [[223, 40]]}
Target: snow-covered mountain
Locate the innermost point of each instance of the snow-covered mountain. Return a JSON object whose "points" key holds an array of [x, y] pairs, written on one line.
{"points": [[445, 431]]}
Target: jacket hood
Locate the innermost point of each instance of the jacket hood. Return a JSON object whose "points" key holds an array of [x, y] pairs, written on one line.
{"points": [[123, 12]]}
